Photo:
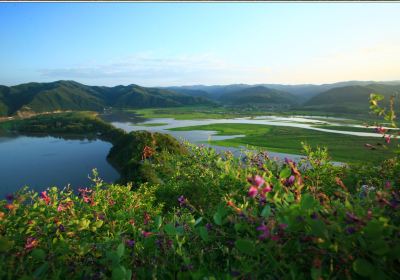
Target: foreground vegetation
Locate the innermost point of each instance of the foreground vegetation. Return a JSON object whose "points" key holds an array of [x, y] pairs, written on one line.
{"points": [[213, 217], [345, 148], [191, 213]]}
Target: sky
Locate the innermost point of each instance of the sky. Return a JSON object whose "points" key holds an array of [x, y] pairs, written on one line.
{"points": [[166, 44]]}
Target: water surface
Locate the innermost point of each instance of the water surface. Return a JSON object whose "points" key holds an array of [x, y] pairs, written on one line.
{"points": [[41, 162]]}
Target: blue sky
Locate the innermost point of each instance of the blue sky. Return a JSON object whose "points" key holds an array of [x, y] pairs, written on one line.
{"points": [[161, 44]]}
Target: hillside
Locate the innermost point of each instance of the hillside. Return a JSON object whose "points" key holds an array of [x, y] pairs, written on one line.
{"points": [[350, 99], [258, 95], [70, 95]]}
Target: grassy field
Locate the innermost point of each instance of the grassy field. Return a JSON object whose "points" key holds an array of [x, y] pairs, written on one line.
{"points": [[343, 148], [151, 124]]}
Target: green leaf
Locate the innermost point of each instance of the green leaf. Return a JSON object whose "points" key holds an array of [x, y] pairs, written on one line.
{"points": [[5, 244], [245, 246], [41, 270], [217, 218], [170, 229], [266, 211], [158, 222], [203, 233], [286, 172], [118, 272], [379, 247], [120, 250], [307, 202], [198, 221], [363, 267], [38, 254], [98, 223]]}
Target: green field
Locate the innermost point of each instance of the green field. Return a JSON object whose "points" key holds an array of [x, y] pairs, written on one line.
{"points": [[151, 124], [343, 148]]}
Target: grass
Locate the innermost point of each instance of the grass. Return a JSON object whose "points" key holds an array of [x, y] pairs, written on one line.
{"points": [[345, 148], [151, 124]]}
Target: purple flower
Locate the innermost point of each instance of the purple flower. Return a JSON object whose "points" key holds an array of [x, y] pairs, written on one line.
{"points": [[350, 230], [130, 242], [182, 200], [259, 181], [61, 228], [10, 197], [265, 232], [314, 216], [208, 226], [388, 185], [253, 191], [290, 181], [283, 226]]}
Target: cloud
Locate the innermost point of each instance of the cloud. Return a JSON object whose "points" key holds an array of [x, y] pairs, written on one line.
{"points": [[151, 69]]}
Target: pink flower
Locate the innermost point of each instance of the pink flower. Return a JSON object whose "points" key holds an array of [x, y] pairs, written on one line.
{"points": [[253, 191], [45, 197], [31, 242], [388, 185], [259, 181], [265, 232], [146, 233], [387, 139], [265, 190], [60, 208]]}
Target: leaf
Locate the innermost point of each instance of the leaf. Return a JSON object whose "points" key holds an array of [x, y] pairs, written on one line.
{"points": [[363, 267], [98, 223], [245, 246], [203, 233], [5, 244], [198, 221], [285, 172], [170, 229], [120, 250], [266, 211], [307, 202], [217, 218], [118, 272], [158, 222], [38, 254], [41, 270]]}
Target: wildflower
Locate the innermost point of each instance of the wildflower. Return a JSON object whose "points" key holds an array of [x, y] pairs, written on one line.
{"points": [[283, 226], [60, 207], [45, 197], [132, 222], [253, 191], [314, 216], [380, 130], [208, 226], [111, 202], [31, 242], [275, 237], [265, 232], [10, 197], [290, 181], [387, 139], [130, 242], [146, 218], [2, 216], [147, 233], [259, 181], [265, 190], [10, 206], [61, 227], [388, 185], [182, 200], [350, 230]]}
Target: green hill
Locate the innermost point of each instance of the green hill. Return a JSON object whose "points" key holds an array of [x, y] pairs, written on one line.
{"points": [[350, 99], [70, 95], [259, 95]]}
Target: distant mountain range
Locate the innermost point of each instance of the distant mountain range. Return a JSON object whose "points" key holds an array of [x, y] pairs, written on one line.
{"points": [[70, 95], [343, 97]]}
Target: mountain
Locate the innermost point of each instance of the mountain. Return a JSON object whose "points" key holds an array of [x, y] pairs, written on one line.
{"points": [[350, 99], [259, 95], [303, 92], [70, 95]]}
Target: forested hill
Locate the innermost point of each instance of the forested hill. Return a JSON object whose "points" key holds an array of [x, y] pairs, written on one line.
{"points": [[351, 98], [70, 95]]}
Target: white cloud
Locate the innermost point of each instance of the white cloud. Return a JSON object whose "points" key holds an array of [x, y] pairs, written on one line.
{"points": [[152, 69]]}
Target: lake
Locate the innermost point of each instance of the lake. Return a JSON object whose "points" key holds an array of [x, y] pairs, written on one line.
{"points": [[42, 162]]}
